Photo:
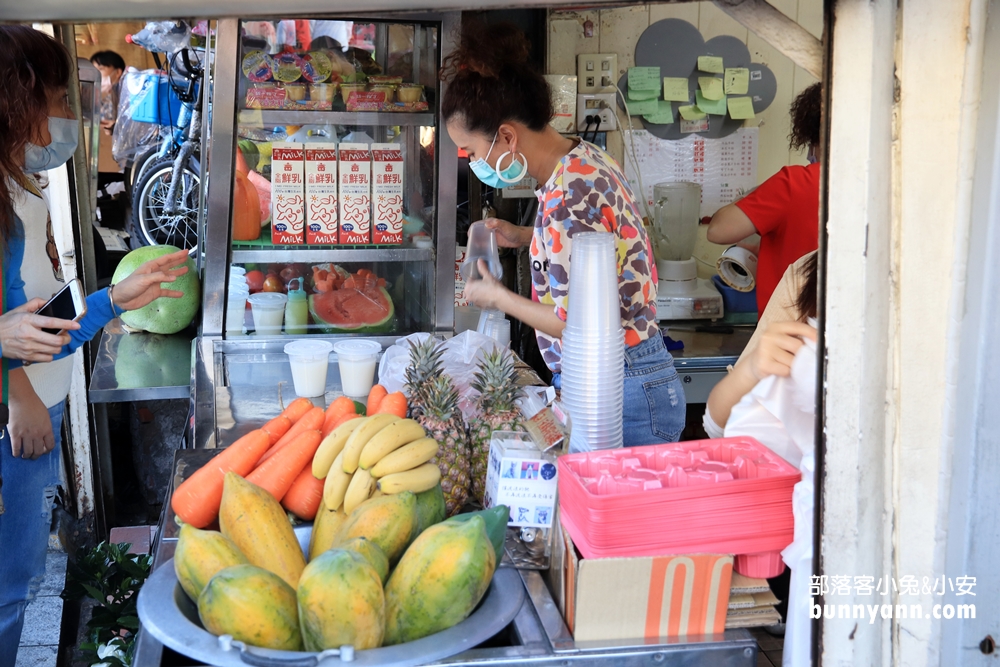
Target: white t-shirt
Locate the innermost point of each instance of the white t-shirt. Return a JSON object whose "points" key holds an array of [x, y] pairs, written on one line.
{"points": [[42, 275]]}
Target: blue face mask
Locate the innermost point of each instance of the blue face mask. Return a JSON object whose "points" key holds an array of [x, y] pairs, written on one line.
{"points": [[65, 134], [492, 176]]}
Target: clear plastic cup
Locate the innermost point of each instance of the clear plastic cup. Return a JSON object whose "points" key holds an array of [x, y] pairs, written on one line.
{"points": [[482, 244], [357, 358], [268, 310], [236, 308], [309, 360], [237, 271], [594, 274]]}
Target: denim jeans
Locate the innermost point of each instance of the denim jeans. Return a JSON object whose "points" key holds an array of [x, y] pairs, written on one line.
{"points": [[29, 491], [655, 406]]}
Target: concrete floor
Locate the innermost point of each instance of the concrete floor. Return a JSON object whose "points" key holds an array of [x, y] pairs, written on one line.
{"points": [[769, 654], [43, 617]]}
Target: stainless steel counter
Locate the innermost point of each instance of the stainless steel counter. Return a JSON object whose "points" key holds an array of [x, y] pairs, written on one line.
{"points": [[141, 366], [708, 352]]}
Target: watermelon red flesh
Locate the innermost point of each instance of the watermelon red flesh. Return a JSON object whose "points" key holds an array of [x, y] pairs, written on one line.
{"points": [[263, 187], [352, 310]]}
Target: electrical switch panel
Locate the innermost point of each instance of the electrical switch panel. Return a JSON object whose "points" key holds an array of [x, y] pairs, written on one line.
{"points": [[596, 72]]}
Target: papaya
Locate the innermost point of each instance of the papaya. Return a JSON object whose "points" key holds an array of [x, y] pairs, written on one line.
{"points": [[387, 521], [325, 528], [253, 605], [259, 527], [430, 510], [439, 580], [372, 553], [341, 602], [496, 519], [199, 555]]}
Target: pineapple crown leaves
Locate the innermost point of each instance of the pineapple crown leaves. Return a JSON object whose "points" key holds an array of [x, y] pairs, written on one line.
{"points": [[425, 362], [496, 381], [441, 399]]}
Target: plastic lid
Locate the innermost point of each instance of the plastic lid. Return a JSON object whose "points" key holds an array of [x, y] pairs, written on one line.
{"points": [[268, 299], [308, 348], [357, 348]]}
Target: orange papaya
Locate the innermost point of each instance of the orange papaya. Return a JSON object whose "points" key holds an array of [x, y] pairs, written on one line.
{"points": [[324, 530], [387, 521], [199, 555], [341, 602], [372, 553], [253, 605]]}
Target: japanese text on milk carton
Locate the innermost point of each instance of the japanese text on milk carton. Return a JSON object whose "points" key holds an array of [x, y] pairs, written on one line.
{"points": [[387, 193], [354, 191], [321, 193], [287, 194]]}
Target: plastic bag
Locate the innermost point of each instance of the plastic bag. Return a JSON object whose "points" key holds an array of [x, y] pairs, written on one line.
{"points": [[131, 136], [163, 36]]}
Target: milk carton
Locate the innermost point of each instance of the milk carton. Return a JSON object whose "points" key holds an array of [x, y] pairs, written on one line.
{"points": [[288, 194], [355, 193], [387, 194], [321, 193]]}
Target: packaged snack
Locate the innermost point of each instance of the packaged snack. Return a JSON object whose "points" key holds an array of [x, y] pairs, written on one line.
{"points": [[387, 194], [287, 194], [321, 193], [257, 66], [316, 67], [354, 193], [287, 67]]}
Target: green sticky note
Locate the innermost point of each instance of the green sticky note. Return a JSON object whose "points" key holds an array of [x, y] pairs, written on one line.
{"points": [[737, 80], [711, 87], [644, 78], [664, 114], [643, 94], [711, 64], [641, 107], [740, 108], [713, 107], [675, 89], [691, 112]]}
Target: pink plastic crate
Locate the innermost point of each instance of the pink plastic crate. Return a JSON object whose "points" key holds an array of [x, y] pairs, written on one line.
{"points": [[730, 495]]}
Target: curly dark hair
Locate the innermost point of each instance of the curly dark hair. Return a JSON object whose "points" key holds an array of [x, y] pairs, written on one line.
{"points": [[108, 59], [490, 81], [806, 112]]}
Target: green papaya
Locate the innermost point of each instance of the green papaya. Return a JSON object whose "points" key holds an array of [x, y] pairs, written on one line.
{"points": [[495, 519], [430, 510]]}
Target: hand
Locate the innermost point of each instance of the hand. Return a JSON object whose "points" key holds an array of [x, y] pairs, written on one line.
{"points": [[485, 292], [776, 351], [509, 235], [21, 335], [30, 426], [143, 286]]}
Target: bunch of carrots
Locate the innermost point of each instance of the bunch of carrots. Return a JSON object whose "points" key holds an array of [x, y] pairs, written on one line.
{"points": [[278, 457]]}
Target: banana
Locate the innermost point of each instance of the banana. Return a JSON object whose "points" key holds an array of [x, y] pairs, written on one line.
{"points": [[406, 458], [419, 479], [362, 485], [388, 440], [362, 434], [331, 446], [337, 481]]}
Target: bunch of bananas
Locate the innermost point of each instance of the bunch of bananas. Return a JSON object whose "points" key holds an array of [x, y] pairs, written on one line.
{"points": [[372, 455]]}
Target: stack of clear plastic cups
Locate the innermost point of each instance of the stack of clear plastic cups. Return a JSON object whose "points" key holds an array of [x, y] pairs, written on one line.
{"points": [[236, 301], [593, 346]]}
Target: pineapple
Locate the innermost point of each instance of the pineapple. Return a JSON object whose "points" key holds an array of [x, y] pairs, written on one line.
{"points": [[497, 411], [425, 364]]}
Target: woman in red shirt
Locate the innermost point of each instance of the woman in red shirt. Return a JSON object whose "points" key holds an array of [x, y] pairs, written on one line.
{"points": [[784, 210]]}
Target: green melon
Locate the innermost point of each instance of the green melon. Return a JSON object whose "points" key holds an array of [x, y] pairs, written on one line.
{"points": [[350, 311], [164, 315]]}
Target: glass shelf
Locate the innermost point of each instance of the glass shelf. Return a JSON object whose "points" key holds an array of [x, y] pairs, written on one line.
{"points": [[269, 117], [334, 254]]}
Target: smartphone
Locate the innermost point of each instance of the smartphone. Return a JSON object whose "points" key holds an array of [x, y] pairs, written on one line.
{"points": [[68, 303]]}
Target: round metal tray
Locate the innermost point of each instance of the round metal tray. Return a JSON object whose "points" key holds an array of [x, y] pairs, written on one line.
{"points": [[170, 616]]}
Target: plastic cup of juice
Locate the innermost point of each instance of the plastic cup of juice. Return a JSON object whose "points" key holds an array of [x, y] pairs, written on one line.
{"points": [[309, 360], [357, 358], [268, 310]]}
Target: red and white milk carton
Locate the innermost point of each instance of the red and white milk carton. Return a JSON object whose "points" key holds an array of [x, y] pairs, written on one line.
{"points": [[387, 194], [288, 194], [355, 193], [321, 193]]}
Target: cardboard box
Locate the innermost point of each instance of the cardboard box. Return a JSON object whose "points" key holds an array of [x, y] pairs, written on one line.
{"points": [[354, 194], [651, 599], [387, 194], [321, 193], [288, 194], [522, 478]]}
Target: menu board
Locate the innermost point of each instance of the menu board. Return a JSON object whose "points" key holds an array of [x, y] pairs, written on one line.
{"points": [[725, 168]]}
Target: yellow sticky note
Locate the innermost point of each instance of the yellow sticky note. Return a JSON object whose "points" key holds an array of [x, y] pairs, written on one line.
{"points": [[644, 78], [641, 107], [711, 87], [642, 94], [711, 64], [713, 107], [664, 114], [675, 89], [741, 108], [737, 80], [691, 112]]}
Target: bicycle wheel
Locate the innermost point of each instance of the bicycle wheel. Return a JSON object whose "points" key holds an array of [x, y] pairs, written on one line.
{"points": [[151, 226], [137, 169]]}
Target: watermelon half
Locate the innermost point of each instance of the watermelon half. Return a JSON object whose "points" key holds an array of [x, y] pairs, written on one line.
{"points": [[349, 310]]}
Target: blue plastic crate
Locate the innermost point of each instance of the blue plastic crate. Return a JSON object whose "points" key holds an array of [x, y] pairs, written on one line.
{"points": [[156, 103]]}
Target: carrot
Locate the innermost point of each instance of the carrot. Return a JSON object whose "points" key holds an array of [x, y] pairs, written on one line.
{"points": [[394, 404], [276, 428], [305, 495], [340, 407], [296, 409], [375, 397], [277, 473], [196, 501], [310, 421]]}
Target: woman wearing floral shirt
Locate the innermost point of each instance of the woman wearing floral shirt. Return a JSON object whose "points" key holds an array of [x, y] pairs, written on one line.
{"points": [[497, 109]]}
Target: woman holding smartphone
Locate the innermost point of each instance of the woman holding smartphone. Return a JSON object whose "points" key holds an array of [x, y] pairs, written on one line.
{"points": [[38, 132]]}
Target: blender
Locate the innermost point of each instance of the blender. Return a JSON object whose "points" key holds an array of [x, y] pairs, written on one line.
{"points": [[681, 294]]}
